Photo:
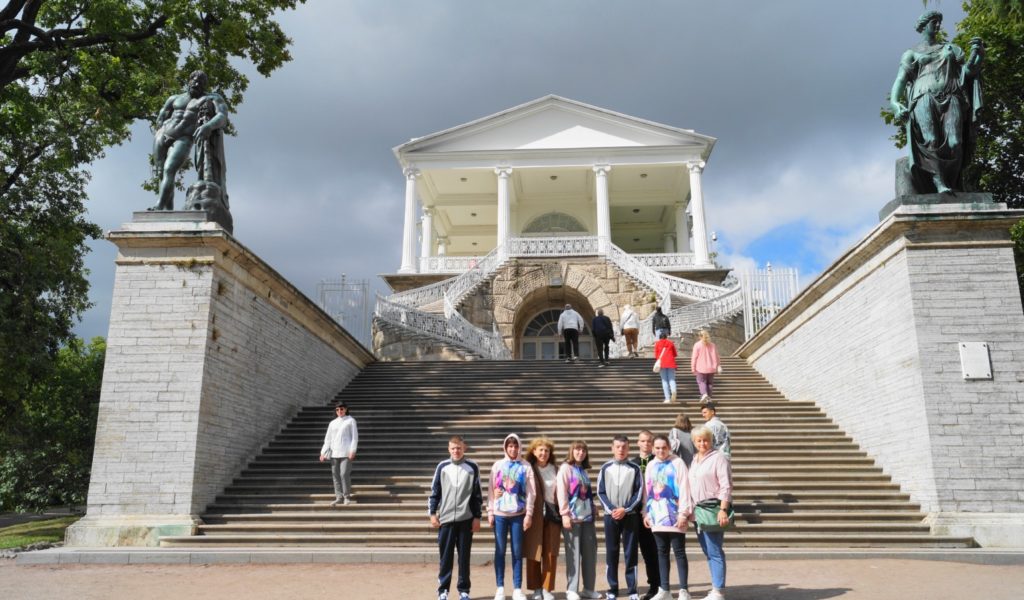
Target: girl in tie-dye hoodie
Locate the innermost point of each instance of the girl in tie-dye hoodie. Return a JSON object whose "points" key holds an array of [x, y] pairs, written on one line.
{"points": [[576, 505], [510, 511]]}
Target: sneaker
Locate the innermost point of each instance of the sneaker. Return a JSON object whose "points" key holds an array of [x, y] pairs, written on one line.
{"points": [[348, 500], [517, 594], [705, 399], [673, 396], [590, 595], [568, 360], [714, 595], [442, 596], [683, 595], [634, 597], [666, 401], [570, 595], [651, 593], [609, 596], [464, 596], [536, 595], [336, 502], [662, 595], [499, 594], [546, 595]]}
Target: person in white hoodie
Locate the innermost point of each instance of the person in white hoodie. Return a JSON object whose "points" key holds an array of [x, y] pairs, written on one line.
{"points": [[339, 447], [510, 513], [629, 321]]}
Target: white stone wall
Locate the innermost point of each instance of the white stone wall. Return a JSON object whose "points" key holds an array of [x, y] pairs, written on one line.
{"points": [[875, 341], [209, 352]]}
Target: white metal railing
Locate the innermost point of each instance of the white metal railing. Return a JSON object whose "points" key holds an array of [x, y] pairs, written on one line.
{"points": [[645, 275], [693, 290], [568, 245], [455, 331], [465, 283], [667, 261], [421, 296], [692, 317], [447, 264], [765, 293]]}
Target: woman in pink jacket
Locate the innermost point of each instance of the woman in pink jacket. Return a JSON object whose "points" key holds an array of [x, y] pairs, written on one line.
{"points": [[704, 364], [711, 477]]}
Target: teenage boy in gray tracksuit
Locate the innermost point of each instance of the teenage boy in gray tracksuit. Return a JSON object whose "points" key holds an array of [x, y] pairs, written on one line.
{"points": [[620, 486], [455, 509]]}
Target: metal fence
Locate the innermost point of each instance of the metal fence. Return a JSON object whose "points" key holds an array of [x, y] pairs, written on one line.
{"points": [[347, 301], [765, 293]]}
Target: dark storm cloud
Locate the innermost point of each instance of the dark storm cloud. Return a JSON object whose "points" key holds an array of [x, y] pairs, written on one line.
{"points": [[790, 88]]}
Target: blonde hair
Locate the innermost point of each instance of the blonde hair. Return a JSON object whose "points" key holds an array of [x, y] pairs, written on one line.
{"points": [[702, 432], [704, 336], [537, 443]]}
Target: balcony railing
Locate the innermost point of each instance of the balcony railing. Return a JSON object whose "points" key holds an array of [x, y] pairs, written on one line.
{"points": [[565, 246]]}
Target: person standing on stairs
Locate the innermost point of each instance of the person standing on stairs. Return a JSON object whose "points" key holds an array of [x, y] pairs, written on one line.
{"points": [[604, 335], [541, 540], [660, 323], [704, 364], [679, 439], [455, 508], [711, 478], [721, 440], [630, 324], [665, 353], [576, 505], [620, 487], [666, 511], [510, 512], [339, 447], [648, 548], [570, 324]]}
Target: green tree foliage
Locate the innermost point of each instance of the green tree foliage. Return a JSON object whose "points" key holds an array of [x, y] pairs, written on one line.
{"points": [[74, 76], [48, 450]]}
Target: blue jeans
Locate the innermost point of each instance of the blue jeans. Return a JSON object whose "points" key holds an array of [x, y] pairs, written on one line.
{"points": [[503, 526], [668, 382], [711, 543]]}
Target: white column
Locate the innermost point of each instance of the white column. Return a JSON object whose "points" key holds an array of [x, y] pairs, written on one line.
{"points": [[442, 245], [504, 211], [604, 221], [409, 230], [682, 229], [427, 233], [669, 248], [700, 227]]}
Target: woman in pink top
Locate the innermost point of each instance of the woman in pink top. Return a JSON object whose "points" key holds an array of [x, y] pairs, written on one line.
{"points": [[665, 351], [704, 364], [711, 477]]}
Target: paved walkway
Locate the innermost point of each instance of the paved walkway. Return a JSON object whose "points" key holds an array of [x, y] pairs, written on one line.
{"points": [[849, 579]]}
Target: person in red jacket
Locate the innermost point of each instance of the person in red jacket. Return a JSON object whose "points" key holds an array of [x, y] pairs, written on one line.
{"points": [[704, 364], [665, 353]]}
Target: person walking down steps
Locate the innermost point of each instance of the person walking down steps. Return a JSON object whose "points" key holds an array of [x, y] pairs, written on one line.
{"points": [[339, 447]]}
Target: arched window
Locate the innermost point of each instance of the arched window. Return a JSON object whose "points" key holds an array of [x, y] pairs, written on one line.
{"points": [[541, 341], [555, 222]]}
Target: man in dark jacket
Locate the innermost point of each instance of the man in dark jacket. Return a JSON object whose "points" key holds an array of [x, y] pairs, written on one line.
{"points": [[604, 333]]}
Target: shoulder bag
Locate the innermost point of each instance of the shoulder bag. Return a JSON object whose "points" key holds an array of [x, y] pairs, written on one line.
{"points": [[706, 515], [657, 363]]}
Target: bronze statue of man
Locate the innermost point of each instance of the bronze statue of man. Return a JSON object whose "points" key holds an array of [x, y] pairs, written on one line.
{"points": [[194, 117], [938, 91]]}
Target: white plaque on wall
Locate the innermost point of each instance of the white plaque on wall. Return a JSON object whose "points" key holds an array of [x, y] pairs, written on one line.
{"points": [[974, 360]]}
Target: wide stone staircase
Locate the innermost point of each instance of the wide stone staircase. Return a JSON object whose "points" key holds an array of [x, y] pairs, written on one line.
{"points": [[799, 480]]}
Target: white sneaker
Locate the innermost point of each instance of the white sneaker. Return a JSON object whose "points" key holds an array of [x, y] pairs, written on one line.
{"points": [[665, 401], [634, 597], [499, 594], [536, 595], [442, 596], [673, 396], [517, 594], [704, 399], [570, 595], [714, 595], [547, 595], [683, 595], [662, 594]]}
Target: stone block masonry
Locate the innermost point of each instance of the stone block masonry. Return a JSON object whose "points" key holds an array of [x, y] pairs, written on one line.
{"points": [[209, 351], [875, 341]]}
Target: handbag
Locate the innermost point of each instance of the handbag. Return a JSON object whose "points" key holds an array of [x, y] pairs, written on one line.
{"points": [[706, 515], [657, 363], [551, 513]]}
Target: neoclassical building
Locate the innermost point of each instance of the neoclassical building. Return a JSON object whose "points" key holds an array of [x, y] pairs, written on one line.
{"points": [[510, 216]]}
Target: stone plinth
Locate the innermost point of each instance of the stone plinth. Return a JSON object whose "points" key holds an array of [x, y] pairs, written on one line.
{"points": [[209, 351], [875, 340]]}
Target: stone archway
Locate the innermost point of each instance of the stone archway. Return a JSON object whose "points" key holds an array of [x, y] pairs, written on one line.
{"points": [[524, 287]]}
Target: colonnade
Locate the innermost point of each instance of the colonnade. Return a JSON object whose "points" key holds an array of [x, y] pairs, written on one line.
{"points": [[603, 214]]}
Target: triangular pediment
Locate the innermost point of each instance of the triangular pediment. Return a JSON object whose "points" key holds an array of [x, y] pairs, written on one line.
{"points": [[553, 123]]}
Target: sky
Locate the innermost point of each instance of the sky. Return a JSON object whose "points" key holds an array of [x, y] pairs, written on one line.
{"points": [[791, 89]]}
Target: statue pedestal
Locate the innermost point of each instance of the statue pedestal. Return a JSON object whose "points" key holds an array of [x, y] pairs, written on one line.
{"points": [[209, 351], [949, 202]]}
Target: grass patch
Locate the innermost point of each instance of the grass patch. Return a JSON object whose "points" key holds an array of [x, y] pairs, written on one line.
{"points": [[50, 530]]}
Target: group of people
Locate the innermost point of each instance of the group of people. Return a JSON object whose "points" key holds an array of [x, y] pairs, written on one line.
{"points": [[648, 503]]}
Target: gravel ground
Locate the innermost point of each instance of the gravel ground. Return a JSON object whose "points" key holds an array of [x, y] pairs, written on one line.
{"points": [[865, 579]]}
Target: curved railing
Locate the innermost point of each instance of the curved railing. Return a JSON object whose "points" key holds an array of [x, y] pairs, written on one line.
{"points": [[692, 290], [647, 276], [421, 296], [464, 284], [692, 317], [455, 331]]}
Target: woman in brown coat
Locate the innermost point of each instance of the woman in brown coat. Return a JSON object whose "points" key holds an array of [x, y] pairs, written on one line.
{"points": [[541, 540]]}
